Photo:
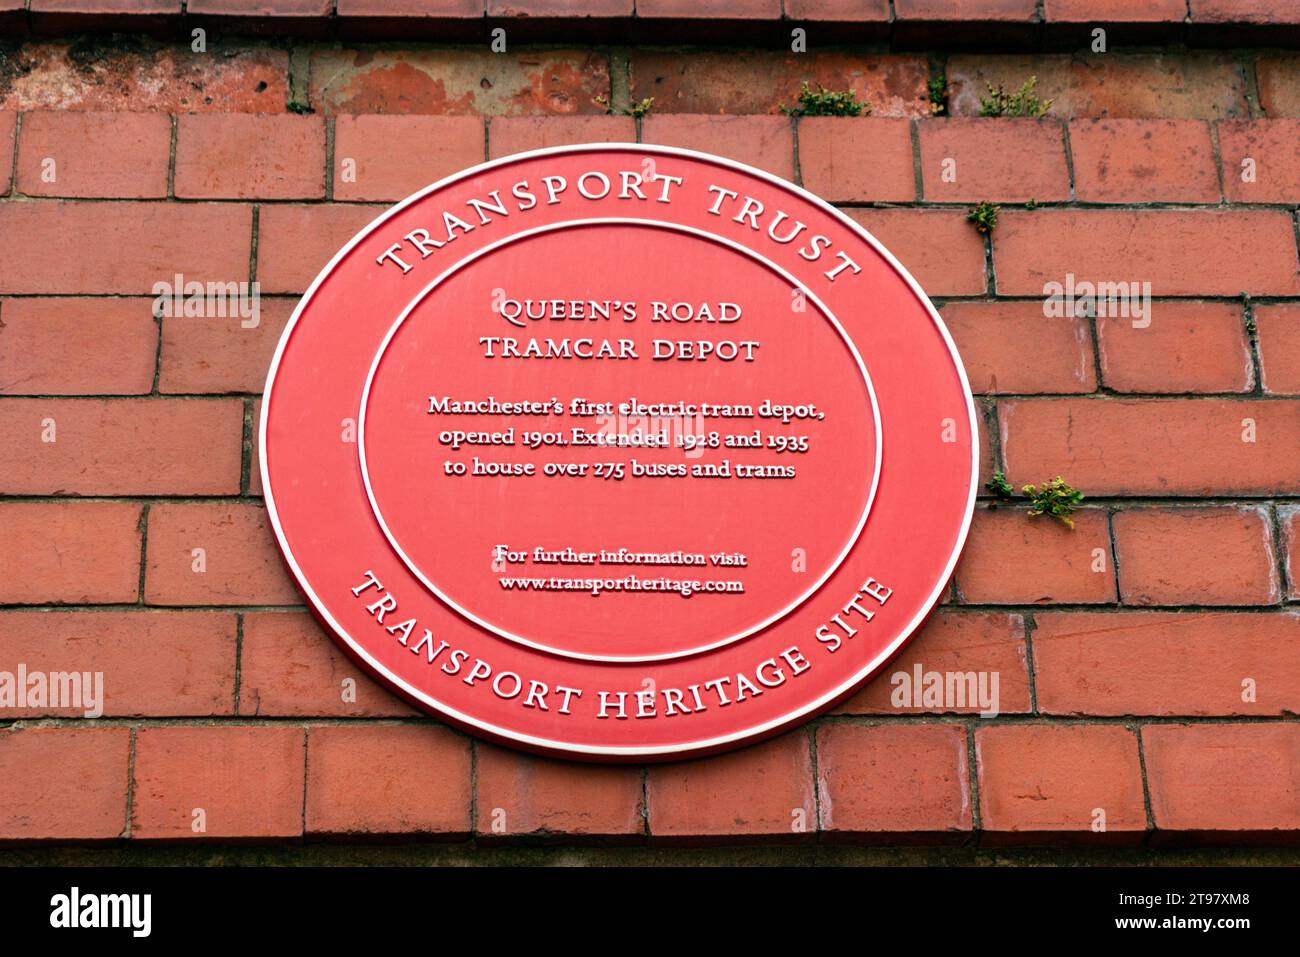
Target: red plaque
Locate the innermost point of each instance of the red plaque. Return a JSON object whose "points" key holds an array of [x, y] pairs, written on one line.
{"points": [[618, 452]]}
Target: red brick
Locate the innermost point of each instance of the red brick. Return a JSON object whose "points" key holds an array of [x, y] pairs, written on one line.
{"points": [[1268, 12], [1224, 779], [255, 467], [247, 780], [8, 124], [892, 782], [154, 663], [1046, 782], [1290, 521], [77, 346], [410, 8], [987, 465], [100, 7], [1187, 347], [1278, 334], [289, 667], [120, 446], [63, 783], [165, 78], [765, 81], [242, 563], [1175, 86], [1233, 561], [459, 80], [763, 791], [1014, 559], [119, 247], [1275, 172], [519, 134], [294, 243], [381, 150], [954, 642], [710, 9], [766, 142], [1234, 251], [221, 355], [242, 156], [848, 159], [948, 10], [937, 246], [1011, 347], [261, 8], [1154, 446], [520, 795], [853, 11], [1279, 84], [559, 8], [95, 154], [1114, 11], [999, 160], [76, 552], [1157, 663], [1143, 161], [416, 780]]}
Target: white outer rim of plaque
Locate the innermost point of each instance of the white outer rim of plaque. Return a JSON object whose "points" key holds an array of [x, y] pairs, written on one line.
{"points": [[754, 732], [655, 224]]}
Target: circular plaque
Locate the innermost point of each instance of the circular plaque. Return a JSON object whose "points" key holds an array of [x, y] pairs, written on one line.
{"points": [[618, 452]]}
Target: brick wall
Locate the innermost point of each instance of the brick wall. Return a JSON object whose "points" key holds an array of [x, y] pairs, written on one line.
{"points": [[1127, 648]]}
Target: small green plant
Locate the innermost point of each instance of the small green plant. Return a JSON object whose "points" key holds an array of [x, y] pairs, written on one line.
{"points": [[824, 102], [1023, 102], [1249, 314], [1000, 487], [638, 109], [937, 89], [1054, 498], [984, 216], [1032, 203], [299, 107]]}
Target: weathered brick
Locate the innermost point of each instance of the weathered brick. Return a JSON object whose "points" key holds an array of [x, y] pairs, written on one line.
{"points": [[74, 552], [848, 159], [409, 8], [1231, 781], [853, 11], [218, 781], [893, 782], [417, 780], [956, 10], [952, 642], [1114, 11], [255, 466], [1143, 161], [120, 446], [1290, 521], [1259, 160], [221, 354], [1011, 347], [1233, 560], [999, 160], [289, 667], [1041, 782], [1278, 334], [710, 9], [763, 791], [391, 157], [77, 346], [1011, 558], [1234, 251], [1279, 84], [1179, 347], [154, 663], [518, 795], [239, 564], [1161, 663], [764, 81], [1266, 12], [1154, 446], [294, 243], [261, 8], [8, 126], [766, 142], [120, 247], [459, 81], [937, 246], [149, 77], [241, 156], [94, 154], [1175, 86], [519, 134], [64, 784]]}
